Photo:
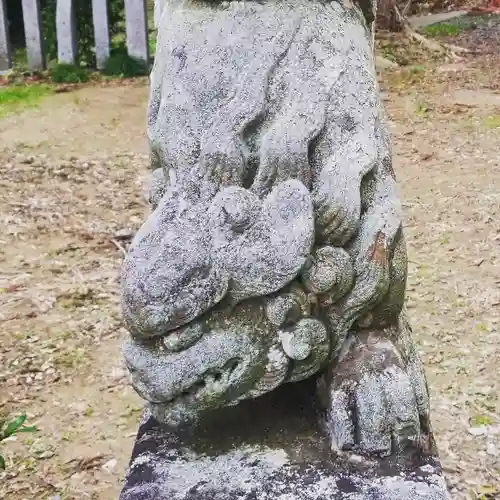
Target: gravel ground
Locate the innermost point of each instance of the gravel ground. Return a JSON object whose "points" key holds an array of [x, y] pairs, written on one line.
{"points": [[484, 35]]}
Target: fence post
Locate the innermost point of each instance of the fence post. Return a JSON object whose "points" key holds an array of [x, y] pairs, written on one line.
{"points": [[101, 31], [32, 21], [5, 55], [136, 27], [66, 32]]}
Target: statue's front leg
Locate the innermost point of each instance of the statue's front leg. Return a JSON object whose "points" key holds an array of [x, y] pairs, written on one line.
{"points": [[375, 396], [375, 392]]}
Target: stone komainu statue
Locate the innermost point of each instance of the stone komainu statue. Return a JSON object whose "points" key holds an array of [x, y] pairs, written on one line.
{"points": [[274, 251]]}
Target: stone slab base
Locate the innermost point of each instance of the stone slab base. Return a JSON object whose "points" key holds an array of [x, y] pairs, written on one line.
{"points": [[267, 449]]}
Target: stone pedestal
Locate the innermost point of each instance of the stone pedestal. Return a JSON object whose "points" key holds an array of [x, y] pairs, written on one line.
{"points": [[271, 448]]}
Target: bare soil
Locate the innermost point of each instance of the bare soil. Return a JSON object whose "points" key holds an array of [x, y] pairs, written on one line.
{"points": [[70, 186]]}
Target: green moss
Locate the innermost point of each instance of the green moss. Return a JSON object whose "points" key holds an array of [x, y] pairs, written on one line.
{"points": [[17, 97], [152, 43], [455, 26]]}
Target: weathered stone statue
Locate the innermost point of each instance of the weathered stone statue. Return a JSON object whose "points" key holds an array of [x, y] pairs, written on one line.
{"points": [[264, 294]]}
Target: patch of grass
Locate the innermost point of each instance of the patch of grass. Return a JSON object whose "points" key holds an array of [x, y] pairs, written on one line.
{"points": [[421, 109], [407, 77], [77, 298], [131, 411], [482, 327], [16, 97], [486, 492], [20, 336], [455, 26], [67, 73], [65, 335], [482, 420], [69, 436], [71, 359], [415, 69], [152, 43], [492, 121], [9, 429], [88, 412], [443, 29], [20, 59], [444, 239], [423, 271], [388, 52]]}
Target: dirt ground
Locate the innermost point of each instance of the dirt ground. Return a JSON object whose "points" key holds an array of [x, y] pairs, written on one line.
{"points": [[70, 187]]}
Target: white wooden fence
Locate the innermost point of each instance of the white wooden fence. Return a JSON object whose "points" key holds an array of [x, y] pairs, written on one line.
{"points": [[136, 28]]}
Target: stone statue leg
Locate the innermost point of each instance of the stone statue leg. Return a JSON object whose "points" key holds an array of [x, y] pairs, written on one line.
{"points": [[376, 397], [375, 391]]}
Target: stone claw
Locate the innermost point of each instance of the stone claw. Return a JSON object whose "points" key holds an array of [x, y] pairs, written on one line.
{"points": [[374, 404]]}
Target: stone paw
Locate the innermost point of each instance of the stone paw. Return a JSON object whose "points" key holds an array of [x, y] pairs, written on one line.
{"points": [[374, 404], [262, 245], [337, 210]]}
